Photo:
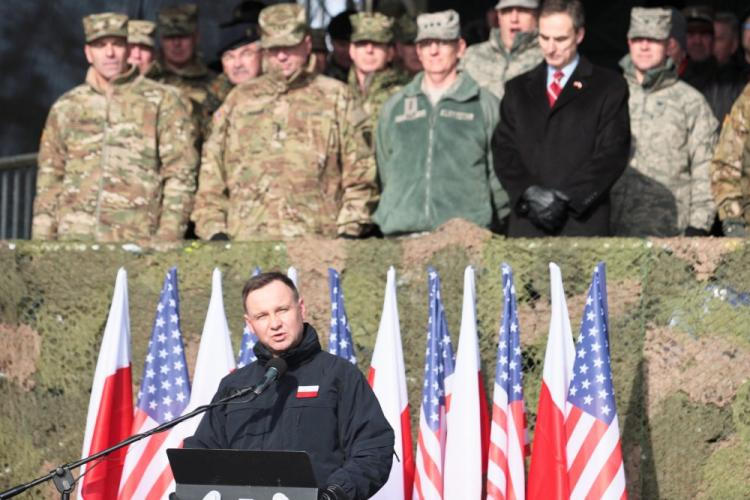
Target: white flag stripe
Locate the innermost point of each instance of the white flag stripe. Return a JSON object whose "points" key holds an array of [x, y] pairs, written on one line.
{"points": [[430, 440], [463, 449], [598, 459], [308, 388], [578, 436], [497, 475], [560, 341], [499, 397], [389, 383], [501, 437], [617, 486], [215, 357], [516, 464]]}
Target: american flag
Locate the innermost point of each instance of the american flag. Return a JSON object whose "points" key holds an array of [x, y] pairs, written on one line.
{"points": [[508, 438], [249, 339], [163, 396], [340, 334], [595, 466], [438, 371]]}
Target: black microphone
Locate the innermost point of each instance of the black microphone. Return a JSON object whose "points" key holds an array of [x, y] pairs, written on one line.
{"points": [[275, 368]]}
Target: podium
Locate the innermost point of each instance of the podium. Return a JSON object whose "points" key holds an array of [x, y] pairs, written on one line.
{"points": [[242, 474]]}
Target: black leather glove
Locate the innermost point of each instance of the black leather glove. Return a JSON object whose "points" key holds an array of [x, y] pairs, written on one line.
{"points": [[694, 231], [332, 492], [220, 237], [734, 228], [545, 208]]}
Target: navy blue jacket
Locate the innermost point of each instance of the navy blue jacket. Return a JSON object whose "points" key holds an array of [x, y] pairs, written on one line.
{"points": [[342, 428]]}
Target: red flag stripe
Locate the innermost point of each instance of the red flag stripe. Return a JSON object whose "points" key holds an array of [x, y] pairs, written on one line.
{"points": [[606, 474], [494, 493], [432, 471], [160, 486], [113, 424], [152, 447], [407, 452], [418, 487], [499, 417], [582, 458], [548, 474]]}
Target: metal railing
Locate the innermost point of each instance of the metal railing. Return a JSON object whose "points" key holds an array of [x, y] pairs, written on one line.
{"points": [[17, 188]]}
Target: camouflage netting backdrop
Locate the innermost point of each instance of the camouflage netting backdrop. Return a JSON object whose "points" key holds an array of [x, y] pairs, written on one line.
{"points": [[679, 320]]}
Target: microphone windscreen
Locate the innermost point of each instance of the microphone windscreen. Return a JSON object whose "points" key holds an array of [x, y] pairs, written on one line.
{"points": [[279, 364]]}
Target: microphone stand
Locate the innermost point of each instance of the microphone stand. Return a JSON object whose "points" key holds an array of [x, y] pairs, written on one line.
{"points": [[62, 476]]}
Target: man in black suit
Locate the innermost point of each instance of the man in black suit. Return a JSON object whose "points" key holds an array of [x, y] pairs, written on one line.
{"points": [[564, 134]]}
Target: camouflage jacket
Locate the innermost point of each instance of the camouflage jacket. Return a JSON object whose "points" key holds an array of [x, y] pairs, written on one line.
{"points": [[730, 168], [379, 87], [193, 79], [218, 90], [286, 158], [491, 65], [666, 186], [116, 166]]}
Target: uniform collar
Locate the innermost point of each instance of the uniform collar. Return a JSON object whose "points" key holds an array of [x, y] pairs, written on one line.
{"points": [[127, 77], [296, 356], [521, 42], [654, 79], [466, 89]]}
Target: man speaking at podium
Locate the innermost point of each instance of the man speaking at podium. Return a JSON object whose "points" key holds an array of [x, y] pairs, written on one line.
{"points": [[322, 404]]}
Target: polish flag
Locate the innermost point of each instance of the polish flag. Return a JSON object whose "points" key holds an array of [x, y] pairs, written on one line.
{"points": [[548, 474], [467, 441], [215, 360], [110, 415], [387, 378]]}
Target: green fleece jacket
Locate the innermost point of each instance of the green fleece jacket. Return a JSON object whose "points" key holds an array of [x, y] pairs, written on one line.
{"points": [[435, 162]]}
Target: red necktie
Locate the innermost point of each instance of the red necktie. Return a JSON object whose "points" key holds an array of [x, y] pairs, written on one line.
{"points": [[553, 92]]}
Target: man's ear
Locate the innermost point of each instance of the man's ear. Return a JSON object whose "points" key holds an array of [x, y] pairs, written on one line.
{"points": [[302, 308], [87, 51], [580, 34]]}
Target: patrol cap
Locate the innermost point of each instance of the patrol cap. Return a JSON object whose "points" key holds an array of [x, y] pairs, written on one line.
{"points": [[104, 24], [371, 27], [650, 23], [141, 32], [178, 20], [444, 25], [700, 19], [318, 36], [524, 4], [282, 25], [405, 29]]}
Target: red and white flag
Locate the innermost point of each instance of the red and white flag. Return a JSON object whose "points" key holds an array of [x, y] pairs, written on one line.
{"points": [[215, 358], [387, 378], [548, 474], [163, 396], [110, 414], [468, 418]]}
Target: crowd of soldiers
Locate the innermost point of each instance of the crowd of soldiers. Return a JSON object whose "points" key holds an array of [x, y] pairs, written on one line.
{"points": [[389, 133]]}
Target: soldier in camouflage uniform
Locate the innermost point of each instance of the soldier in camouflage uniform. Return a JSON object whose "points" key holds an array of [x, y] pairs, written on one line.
{"points": [[730, 169], [180, 64], [665, 190], [512, 49], [405, 32], [141, 44], [239, 50], [371, 80], [288, 152], [116, 160]]}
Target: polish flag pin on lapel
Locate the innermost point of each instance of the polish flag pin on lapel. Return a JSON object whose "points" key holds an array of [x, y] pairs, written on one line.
{"points": [[307, 391], [578, 85]]}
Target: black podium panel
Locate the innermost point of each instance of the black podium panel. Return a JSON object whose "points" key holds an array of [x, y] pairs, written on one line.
{"points": [[242, 474]]}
